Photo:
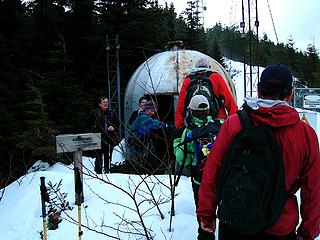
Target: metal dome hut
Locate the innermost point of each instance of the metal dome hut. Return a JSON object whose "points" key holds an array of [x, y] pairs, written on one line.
{"points": [[161, 77]]}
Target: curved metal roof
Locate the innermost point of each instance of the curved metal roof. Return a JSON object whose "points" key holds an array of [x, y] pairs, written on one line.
{"points": [[163, 73]]}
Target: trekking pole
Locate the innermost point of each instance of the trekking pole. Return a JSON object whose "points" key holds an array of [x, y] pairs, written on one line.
{"points": [[44, 199], [177, 177], [183, 163], [78, 190], [172, 211], [109, 158]]}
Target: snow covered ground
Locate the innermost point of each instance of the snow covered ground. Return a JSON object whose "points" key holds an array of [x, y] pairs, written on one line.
{"points": [[110, 203], [108, 211]]}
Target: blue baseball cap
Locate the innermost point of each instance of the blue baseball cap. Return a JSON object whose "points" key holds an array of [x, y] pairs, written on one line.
{"points": [[277, 72]]}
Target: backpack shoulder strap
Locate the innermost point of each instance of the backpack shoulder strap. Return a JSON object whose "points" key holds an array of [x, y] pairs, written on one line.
{"points": [[245, 119]]}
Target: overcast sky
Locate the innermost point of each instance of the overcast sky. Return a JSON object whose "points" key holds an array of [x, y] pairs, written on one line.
{"points": [[296, 18]]}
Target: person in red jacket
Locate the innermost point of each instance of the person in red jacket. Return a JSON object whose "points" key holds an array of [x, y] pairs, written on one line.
{"points": [[219, 88], [300, 150]]}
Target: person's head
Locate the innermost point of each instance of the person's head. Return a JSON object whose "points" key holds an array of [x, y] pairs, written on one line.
{"points": [[199, 106], [103, 103], [276, 83], [150, 108], [202, 63], [142, 101]]}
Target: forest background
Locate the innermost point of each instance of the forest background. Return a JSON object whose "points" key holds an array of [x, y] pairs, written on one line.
{"points": [[53, 64]]}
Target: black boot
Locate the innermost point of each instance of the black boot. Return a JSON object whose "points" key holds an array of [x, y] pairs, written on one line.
{"points": [[106, 163], [98, 165]]}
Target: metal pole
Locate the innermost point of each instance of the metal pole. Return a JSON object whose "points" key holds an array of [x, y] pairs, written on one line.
{"points": [[118, 83], [257, 42], [243, 24], [250, 47], [108, 71]]}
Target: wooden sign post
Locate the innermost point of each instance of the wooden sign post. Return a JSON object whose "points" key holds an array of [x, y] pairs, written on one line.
{"points": [[77, 143]]}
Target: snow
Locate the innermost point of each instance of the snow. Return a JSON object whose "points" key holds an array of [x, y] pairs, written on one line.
{"points": [[118, 155], [109, 210], [105, 209]]}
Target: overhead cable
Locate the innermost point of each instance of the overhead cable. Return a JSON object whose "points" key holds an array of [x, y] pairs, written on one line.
{"points": [[274, 28]]}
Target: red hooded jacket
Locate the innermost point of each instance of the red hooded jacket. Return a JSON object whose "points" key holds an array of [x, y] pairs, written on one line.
{"points": [[301, 157], [220, 89]]}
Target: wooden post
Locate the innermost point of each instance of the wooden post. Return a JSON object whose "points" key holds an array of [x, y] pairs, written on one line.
{"points": [[78, 166], [77, 143]]}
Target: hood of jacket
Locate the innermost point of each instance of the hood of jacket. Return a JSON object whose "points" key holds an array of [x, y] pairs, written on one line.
{"points": [[200, 122], [274, 113]]}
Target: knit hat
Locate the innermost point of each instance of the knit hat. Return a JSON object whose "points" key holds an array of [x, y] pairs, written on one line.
{"points": [[277, 72], [150, 105], [202, 63], [199, 103]]}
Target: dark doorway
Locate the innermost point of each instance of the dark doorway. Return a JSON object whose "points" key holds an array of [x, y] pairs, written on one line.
{"points": [[165, 107], [166, 114]]}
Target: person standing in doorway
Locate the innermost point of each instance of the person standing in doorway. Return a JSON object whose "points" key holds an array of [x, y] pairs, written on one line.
{"points": [[145, 129], [142, 102]]}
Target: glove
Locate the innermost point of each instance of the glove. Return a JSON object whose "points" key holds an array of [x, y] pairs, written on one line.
{"points": [[208, 227]]}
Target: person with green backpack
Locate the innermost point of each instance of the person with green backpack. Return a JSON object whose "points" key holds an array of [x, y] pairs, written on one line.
{"points": [[192, 147]]}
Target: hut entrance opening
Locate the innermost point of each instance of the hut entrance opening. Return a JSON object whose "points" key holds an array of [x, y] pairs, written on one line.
{"points": [[166, 114], [165, 105]]}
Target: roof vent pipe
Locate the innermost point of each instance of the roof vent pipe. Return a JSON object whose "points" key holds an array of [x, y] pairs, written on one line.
{"points": [[175, 45]]}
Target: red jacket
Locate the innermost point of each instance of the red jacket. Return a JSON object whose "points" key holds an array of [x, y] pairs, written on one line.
{"points": [[301, 161], [220, 89]]}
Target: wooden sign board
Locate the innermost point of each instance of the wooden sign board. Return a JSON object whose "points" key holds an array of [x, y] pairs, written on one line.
{"points": [[78, 142]]}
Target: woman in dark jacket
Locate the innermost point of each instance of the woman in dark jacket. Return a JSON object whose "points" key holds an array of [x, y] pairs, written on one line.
{"points": [[105, 122]]}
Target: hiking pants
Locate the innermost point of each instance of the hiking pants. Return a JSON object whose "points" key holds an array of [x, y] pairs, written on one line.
{"points": [[202, 235], [102, 159], [226, 234]]}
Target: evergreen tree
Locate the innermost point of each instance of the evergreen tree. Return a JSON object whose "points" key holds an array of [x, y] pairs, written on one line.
{"points": [[13, 29], [312, 66], [265, 48], [292, 59], [215, 53], [36, 134], [171, 19], [191, 16], [53, 63], [79, 37]]}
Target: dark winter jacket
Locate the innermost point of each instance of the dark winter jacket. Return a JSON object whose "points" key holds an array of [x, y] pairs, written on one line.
{"points": [[219, 88], [300, 150], [133, 116], [102, 121]]}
